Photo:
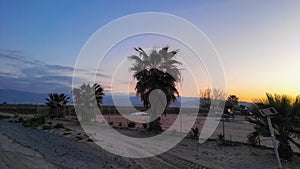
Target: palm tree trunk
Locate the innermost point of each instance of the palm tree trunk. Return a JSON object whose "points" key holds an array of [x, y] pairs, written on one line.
{"points": [[284, 148], [155, 124]]}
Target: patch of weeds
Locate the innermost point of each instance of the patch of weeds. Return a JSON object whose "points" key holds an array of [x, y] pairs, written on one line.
{"points": [[66, 133], [20, 120], [46, 127], [59, 125], [4, 116], [34, 122], [220, 137], [224, 142], [229, 143], [26, 124], [67, 129], [145, 125], [78, 137], [131, 125]]}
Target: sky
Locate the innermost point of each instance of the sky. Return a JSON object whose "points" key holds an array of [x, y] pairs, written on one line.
{"points": [[258, 42]]}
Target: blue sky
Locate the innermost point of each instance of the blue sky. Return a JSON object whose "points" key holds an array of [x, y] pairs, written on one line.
{"points": [[258, 41]]}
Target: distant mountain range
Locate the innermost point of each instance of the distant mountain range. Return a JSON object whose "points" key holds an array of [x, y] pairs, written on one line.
{"points": [[21, 97], [11, 96]]}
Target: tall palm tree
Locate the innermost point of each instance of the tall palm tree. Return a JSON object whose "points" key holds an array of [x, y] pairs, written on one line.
{"points": [[58, 102], [84, 99], [158, 70], [286, 123]]}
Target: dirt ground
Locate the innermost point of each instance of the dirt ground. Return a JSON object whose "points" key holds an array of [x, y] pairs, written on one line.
{"points": [[71, 147]]}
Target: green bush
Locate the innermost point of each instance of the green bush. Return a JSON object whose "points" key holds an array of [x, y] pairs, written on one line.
{"points": [[59, 125]]}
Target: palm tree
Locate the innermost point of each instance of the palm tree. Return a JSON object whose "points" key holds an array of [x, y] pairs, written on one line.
{"points": [[88, 100], [286, 123], [159, 70], [58, 102], [232, 101], [230, 105]]}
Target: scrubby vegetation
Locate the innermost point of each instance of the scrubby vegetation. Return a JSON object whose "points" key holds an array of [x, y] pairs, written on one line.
{"points": [[4, 116], [33, 122], [59, 125], [131, 125], [285, 124]]}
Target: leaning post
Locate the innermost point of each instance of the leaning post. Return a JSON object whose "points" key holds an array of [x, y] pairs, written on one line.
{"points": [[268, 112]]}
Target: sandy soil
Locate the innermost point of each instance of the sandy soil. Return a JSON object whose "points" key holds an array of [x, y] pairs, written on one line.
{"points": [[235, 129], [71, 148], [15, 155]]}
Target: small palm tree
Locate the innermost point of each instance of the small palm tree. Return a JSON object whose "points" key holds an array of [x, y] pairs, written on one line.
{"points": [[230, 105], [84, 99], [58, 102], [159, 70], [286, 123]]}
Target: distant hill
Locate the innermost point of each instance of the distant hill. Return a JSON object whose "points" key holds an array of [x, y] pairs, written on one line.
{"points": [[21, 97], [122, 100], [247, 104]]}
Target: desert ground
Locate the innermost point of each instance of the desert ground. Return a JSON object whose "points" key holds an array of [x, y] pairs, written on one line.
{"points": [[71, 147]]}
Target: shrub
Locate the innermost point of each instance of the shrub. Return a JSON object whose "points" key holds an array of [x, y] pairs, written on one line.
{"points": [[34, 122], [284, 123], [131, 125], [67, 133], [78, 137], [145, 125], [46, 127], [221, 137], [58, 125], [4, 117], [20, 120]]}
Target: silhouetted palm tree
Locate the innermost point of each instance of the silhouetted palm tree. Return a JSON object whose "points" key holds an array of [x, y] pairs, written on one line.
{"points": [[230, 105], [286, 123], [58, 102], [88, 100], [159, 70]]}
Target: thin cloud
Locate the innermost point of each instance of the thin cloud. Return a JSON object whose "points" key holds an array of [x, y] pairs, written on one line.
{"points": [[21, 73]]}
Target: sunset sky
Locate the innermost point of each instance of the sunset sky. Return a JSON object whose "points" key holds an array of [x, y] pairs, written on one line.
{"points": [[258, 42]]}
